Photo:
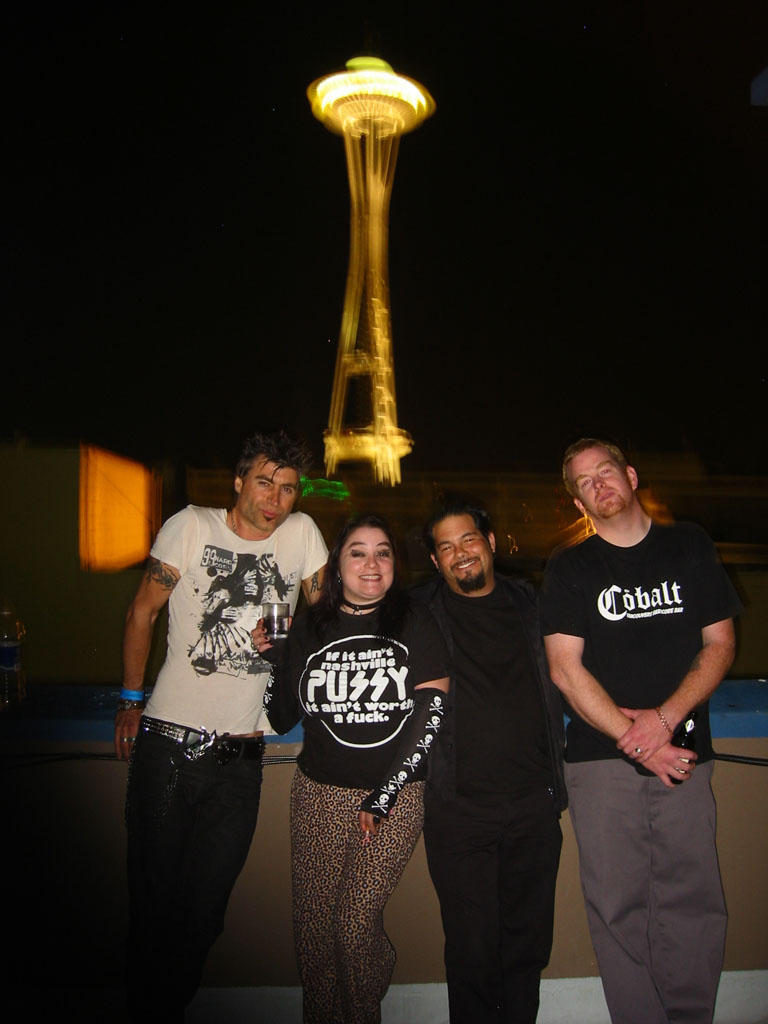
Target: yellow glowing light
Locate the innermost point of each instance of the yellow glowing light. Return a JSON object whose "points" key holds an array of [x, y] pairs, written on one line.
{"points": [[371, 107], [350, 102], [576, 532], [655, 507], [119, 510]]}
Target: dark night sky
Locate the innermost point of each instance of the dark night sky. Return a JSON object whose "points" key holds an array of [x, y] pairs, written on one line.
{"points": [[578, 237]]}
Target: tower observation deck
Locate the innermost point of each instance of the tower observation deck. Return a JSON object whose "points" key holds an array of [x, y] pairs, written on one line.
{"points": [[370, 107]]}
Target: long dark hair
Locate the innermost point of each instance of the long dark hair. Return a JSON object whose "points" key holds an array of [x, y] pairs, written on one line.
{"points": [[392, 609]]}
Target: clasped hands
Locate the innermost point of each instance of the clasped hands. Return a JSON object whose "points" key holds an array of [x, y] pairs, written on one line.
{"points": [[647, 742]]}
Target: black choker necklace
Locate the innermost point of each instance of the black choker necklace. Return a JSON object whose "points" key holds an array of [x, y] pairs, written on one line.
{"points": [[360, 609]]}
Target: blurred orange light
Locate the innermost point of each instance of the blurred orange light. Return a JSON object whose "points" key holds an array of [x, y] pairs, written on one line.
{"points": [[119, 510]]}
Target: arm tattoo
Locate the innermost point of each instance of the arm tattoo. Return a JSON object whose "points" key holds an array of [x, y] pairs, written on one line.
{"points": [[314, 584], [158, 573]]}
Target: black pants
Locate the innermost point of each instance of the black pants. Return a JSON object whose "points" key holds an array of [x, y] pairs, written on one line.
{"points": [[494, 869], [189, 832]]}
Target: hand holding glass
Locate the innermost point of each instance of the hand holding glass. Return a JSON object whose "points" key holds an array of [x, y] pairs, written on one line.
{"points": [[277, 619]]}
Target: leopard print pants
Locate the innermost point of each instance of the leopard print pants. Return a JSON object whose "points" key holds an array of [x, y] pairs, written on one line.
{"points": [[340, 888]]}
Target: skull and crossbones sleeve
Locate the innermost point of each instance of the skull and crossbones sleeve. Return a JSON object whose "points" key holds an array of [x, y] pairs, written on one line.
{"points": [[417, 739]]}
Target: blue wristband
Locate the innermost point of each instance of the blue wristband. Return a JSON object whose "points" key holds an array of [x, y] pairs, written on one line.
{"points": [[131, 694]]}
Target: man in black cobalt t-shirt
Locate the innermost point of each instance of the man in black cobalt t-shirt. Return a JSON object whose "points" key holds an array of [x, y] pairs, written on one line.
{"points": [[495, 787], [638, 629]]}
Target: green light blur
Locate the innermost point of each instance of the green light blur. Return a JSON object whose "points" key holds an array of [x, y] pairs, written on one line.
{"points": [[322, 488]]}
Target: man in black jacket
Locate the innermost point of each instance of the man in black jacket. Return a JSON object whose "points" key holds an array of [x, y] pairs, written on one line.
{"points": [[496, 787]]}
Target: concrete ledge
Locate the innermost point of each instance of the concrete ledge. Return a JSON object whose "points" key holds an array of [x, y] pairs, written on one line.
{"points": [[742, 999]]}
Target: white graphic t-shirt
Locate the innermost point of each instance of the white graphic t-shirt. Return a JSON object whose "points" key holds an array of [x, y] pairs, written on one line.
{"points": [[212, 677]]}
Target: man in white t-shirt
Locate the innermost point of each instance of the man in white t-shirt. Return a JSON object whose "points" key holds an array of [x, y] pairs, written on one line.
{"points": [[196, 749]]}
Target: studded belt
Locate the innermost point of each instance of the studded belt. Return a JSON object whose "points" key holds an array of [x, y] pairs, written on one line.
{"points": [[194, 743]]}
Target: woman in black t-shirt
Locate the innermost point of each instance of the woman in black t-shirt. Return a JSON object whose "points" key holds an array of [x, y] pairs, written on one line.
{"points": [[368, 674]]}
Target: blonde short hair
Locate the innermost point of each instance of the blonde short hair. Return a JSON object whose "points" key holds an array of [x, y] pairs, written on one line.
{"points": [[583, 445]]}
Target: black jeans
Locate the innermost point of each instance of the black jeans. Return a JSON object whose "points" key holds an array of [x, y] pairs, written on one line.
{"points": [[190, 826], [494, 869]]}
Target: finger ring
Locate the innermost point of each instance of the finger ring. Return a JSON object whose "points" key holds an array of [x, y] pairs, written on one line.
{"points": [[638, 750], [126, 739]]}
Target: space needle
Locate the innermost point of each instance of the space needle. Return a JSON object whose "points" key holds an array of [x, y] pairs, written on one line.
{"points": [[370, 107]]}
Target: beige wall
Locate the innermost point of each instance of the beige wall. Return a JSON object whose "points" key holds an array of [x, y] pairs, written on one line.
{"points": [[258, 912], [63, 841], [64, 850]]}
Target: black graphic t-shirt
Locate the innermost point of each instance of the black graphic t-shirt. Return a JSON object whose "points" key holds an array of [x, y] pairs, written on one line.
{"points": [[640, 611], [354, 690]]}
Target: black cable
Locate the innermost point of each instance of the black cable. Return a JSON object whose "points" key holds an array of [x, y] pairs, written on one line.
{"points": [[30, 760], [741, 759]]}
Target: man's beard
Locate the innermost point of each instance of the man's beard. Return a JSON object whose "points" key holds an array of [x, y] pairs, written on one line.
{"points": [[469, 584], [611, 507]]}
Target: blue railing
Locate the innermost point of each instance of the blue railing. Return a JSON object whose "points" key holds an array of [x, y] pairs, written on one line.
{"points": [[85, 713]]}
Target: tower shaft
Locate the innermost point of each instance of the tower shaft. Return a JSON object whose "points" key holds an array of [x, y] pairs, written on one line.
{"points": [[365, 342], [371, 107]]}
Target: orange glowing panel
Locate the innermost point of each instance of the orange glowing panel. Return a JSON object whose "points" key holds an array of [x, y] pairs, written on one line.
{"points": [[119, 510]]}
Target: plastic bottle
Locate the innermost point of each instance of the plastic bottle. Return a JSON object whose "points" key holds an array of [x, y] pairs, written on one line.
{"points": [[12, 682]]}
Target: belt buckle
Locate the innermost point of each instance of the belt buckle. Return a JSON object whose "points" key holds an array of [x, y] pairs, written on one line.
{"points": [[196, 750]]}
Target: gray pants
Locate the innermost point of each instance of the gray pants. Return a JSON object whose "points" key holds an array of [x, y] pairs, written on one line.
{"points": [[652, 889]]}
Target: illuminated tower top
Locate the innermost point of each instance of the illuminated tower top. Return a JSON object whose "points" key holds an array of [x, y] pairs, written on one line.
{"points": [[369, 91], [370, 107]]}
